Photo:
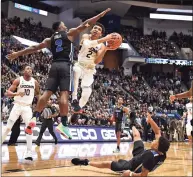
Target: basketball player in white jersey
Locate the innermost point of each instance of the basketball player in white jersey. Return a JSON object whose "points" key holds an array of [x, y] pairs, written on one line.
{"points": [[27, 87], [92, 51], [189, 118]]}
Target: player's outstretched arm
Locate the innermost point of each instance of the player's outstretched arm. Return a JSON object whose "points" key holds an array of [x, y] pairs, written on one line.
{"points": [[154, 126], [44, 44], [187, 94], [76, 31], [12, 88], [130, 173]]}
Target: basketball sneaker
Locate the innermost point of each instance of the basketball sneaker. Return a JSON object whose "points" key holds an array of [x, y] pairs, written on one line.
{"points": [[77, 161], [76, 108], [116, 150], [30, 126], [64, 130]]}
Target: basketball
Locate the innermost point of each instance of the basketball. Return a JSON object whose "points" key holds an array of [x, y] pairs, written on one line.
{"points": [[116, 41]]}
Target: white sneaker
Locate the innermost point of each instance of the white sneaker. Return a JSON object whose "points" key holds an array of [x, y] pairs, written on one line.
{"points": [[116, 150], [28, 156]]}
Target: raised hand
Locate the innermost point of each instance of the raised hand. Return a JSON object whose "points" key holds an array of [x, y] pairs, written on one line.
{"points": [[12, 56], [104, 12]]}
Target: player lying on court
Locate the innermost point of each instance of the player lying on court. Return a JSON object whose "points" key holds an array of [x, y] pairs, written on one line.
{"points": [[60, 74], [27, 87], [92, 51], [143, 161]]}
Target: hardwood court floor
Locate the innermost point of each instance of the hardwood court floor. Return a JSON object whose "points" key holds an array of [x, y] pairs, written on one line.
{"points": [[51, 160]]}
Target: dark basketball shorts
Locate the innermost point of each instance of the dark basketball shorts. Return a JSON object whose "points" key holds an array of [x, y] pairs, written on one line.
{"points": [[118, 127], [122, 165], [60, 75]]}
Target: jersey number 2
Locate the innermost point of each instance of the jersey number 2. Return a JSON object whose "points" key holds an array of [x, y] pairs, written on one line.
{"points": [[27, 92], [90, 53], [58, 44]]}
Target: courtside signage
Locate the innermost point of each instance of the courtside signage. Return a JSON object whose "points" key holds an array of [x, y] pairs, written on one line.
{"points": [[79, 134]]}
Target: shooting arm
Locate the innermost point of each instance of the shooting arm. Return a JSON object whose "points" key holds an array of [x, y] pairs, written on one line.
{"points": [[10, 91], [100, 54], [94, 43]]}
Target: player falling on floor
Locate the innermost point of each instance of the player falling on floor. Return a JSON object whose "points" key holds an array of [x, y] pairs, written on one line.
{"points": [[27, 87], [189, 108], [60, 74], [143, 161], [92, 51], [119, 113]]}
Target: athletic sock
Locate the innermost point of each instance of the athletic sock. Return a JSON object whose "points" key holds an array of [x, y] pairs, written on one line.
{"points": [[64, 120], [29, 142]]}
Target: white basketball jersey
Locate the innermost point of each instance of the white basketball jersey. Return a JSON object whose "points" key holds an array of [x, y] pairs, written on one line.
{"points": [[189, 110], [28, 87], [87, 54]]}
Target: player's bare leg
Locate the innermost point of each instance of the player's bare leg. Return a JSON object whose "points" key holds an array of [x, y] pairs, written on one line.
{"points": [[62, 128]]}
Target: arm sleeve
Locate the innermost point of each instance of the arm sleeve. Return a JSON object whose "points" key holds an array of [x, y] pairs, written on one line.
{"points": [[148, 162]]}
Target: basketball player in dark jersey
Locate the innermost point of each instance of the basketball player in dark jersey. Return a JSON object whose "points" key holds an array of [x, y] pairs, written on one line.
{"points": [[143, 161], [119, 112], [187, 94], [60, 74]]}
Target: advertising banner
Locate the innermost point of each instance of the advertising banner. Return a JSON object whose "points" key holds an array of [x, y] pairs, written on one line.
{"points": [[79, 134]]}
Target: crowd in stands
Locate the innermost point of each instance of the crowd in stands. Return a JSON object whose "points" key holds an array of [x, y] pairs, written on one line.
{"points": [[155, 45], [108, 85], [182, 40]]}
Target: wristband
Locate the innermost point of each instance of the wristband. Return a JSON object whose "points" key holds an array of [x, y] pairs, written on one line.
{"points": [[131, 174]]}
